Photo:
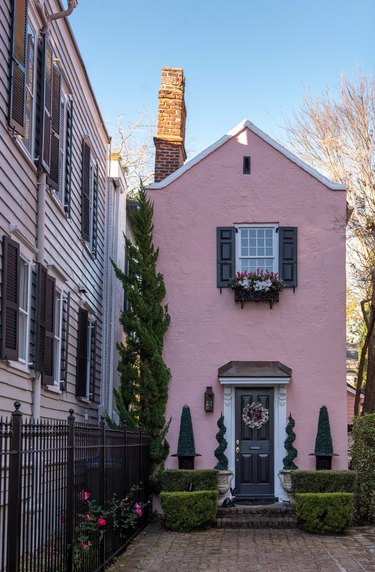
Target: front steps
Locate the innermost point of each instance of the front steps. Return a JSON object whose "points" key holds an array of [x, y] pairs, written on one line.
{"points": [[277, 515]]}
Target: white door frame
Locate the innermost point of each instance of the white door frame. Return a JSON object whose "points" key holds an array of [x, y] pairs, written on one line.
{"points": [[279, 385]]}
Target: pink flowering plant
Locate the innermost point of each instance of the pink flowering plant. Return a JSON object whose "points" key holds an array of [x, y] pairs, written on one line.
{"points": [[258, 281], [94, 522]]}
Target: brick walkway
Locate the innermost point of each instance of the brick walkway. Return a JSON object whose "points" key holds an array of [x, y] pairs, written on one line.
{"points": [[266, 550]]}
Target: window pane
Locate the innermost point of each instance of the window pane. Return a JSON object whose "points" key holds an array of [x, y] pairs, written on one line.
{"points": [[252, 233], [269, 252], [261, 233], [24, 285], [22, 323], [269, 233], [260, 251]]}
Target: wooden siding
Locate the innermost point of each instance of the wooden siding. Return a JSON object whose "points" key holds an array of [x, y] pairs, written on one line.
{"points": [[64, 248]]}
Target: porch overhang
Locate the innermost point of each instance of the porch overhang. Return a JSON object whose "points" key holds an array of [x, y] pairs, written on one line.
{"points": [[247, 373]]}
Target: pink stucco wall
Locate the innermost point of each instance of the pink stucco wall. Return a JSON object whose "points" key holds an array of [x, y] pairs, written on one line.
{"points": [[305, 330]]}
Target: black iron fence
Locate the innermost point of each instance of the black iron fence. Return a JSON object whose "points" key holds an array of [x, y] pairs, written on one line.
{"points": [[55, 477]]}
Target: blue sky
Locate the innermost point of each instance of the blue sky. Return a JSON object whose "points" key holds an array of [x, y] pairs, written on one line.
{"points": [[242, 59]]}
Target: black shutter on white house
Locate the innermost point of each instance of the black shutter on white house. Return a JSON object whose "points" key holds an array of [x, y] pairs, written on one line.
{"points": [[64, 341], [288, 255], [225, 255], [46, 105], [49, 358], [95, 209], [92, 360], [41, 315], [82, 342], [54, 175], [17, 107], [33, 309], [68, 157], [10, 299], [85, 191]]}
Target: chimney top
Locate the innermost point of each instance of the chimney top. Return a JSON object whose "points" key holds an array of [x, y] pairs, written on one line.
{"points": [[170, 139]]}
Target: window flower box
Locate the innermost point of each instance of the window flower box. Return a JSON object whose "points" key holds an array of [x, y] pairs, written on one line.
{"points": [[259, 286]]}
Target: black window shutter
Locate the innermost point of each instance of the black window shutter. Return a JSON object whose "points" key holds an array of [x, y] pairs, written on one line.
{"points": [[48, 374], [95, 210], [41, 316], [46, 105], [18, 67], [288, 255], [225, 237], [68, 156], [53, 178], [64, 341], [93, 361], [85, 192], [10, 299], [83, 322]]}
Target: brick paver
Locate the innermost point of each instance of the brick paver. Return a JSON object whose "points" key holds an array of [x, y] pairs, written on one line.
{"points": [[231, 550]]}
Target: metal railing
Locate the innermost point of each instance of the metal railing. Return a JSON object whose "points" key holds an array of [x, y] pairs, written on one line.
{"points": [[44, 467]]}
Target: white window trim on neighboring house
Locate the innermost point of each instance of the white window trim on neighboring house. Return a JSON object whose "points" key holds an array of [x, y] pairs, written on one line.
{"points": [[275, 245], [59, 296], [24, 312]]}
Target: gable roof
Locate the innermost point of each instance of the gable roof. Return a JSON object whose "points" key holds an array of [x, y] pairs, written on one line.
{"points": [[233, 133]]}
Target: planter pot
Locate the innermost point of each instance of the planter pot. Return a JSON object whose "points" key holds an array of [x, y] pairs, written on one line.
{"points": [[247, 296], [225, 479], [285, 477], [186, 462], [323, 462]]}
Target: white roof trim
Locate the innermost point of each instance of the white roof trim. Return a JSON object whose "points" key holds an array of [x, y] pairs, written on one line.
{"points": [[232, 133], [249, 381]]}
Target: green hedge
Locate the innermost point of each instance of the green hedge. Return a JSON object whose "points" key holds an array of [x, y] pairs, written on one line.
{"points": [[185, 511], [323, 481], [363, 460], [324, 512], [175, 480]]}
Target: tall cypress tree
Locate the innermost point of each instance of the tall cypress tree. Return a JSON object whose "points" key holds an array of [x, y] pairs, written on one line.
{"points": [[142, 395]]}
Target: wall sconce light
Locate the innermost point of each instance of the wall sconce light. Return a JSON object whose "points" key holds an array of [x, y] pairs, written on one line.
{"points": [[209, 398]]}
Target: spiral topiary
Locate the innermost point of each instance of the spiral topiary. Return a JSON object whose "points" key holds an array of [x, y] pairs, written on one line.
{"points": [[222, 464], [288, 463]]}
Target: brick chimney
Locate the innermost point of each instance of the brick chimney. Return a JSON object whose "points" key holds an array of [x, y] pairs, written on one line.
{"points": [[170, 139]]}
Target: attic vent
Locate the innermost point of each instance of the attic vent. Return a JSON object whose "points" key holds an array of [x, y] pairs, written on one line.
{"points": [[246, 165]]}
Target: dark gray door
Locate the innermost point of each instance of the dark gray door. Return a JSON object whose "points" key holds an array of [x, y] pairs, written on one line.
{"points": [[254, 445]]}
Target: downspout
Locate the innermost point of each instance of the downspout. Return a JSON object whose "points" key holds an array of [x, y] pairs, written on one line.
{"points": [[56, 16], [40, 242], [41, 193], [113, 296]]}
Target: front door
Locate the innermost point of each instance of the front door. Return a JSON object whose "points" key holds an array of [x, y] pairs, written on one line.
{"points": [[254, 442]]}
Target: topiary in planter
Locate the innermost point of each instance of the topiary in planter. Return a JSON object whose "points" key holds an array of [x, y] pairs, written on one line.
{"points": [[186, 445], [323, 442], [222, 459], [288, 460]]}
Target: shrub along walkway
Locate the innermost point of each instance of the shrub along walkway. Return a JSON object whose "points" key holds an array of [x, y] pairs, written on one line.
{"points": [[231, 550]]}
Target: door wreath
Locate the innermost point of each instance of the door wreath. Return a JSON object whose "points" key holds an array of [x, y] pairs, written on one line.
{"points": [[254, 415]]}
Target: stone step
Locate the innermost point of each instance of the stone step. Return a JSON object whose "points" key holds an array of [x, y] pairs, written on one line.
{"points": [[277, 515]]}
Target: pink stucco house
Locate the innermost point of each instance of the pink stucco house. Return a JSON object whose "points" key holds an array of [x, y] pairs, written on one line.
{"points": [[245, 203]]}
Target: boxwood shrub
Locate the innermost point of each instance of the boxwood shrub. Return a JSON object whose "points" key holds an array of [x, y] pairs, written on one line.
{"points": [[363, 460], [324, 512], [185, 511], [175, 480], [323, 481]]}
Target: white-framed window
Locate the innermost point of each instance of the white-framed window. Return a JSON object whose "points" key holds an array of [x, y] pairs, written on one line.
{"points": [[57, 338], [28, 137], [24, 310], [257, 247]]}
